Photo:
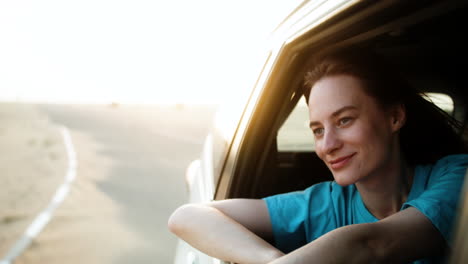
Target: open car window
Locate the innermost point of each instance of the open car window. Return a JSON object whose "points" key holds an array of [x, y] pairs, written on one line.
{"points": [[443, 101], [295, 134]]}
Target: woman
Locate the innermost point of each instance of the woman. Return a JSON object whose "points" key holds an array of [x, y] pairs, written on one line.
{"points": [[397, 179]]}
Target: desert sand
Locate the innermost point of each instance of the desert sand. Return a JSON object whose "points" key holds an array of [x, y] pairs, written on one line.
{"points": [[33, 166]]}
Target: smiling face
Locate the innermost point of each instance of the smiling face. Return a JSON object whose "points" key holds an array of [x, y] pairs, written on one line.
{"points": [[354, 136]]}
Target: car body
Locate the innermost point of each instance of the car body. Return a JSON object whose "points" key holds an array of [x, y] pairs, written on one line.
{"points": [[261, 145]]}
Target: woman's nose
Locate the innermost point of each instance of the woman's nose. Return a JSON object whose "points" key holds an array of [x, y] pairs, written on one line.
{"points": [[331, 142]]}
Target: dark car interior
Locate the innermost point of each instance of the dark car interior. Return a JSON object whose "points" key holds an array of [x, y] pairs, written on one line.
{"points": [[427, 45]]}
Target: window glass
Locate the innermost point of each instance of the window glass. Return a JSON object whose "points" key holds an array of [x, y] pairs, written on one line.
{"points": [[295, 134], [443, 101]]}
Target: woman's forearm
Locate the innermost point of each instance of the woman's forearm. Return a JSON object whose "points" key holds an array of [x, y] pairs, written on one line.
{"points": [[214, 233], [400, 238], [350, 244]]}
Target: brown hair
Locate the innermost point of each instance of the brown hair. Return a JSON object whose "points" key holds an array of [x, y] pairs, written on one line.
{"points": [[428, 134]]}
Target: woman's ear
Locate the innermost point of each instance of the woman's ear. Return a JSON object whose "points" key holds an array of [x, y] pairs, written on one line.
{"points": [[398, 117]]}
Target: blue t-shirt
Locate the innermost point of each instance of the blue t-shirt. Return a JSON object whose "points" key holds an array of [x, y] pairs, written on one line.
{"points": [[300, 217]]}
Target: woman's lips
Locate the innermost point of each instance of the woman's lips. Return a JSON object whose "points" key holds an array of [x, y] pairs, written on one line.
{"points": [[340, 162]]}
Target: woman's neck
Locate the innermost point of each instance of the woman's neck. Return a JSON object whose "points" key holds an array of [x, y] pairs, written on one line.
{"points": [[384, 192]]}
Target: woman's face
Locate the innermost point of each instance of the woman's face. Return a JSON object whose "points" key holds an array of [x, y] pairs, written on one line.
{"points": [[353, 134]]}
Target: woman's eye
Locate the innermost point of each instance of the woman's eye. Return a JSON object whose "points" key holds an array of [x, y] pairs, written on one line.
{"points": [[318, 131], [344, 121]]}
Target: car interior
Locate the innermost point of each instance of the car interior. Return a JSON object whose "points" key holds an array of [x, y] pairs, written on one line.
{"points": [[427, 46]]}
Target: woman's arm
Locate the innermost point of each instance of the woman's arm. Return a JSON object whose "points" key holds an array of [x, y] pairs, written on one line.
{"points": [[229, 230], [401, 238]]}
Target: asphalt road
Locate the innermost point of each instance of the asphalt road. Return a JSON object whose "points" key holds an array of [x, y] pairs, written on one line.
{"points": [[150, 147]]}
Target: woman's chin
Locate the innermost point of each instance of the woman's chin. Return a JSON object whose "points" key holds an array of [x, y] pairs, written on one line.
{"points": [[344, 180]]}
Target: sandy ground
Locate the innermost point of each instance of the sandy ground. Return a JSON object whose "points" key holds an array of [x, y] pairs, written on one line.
{"points": [[33, 165]]}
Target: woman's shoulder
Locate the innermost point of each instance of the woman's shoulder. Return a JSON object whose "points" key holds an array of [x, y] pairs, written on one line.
{"points": [[454, 158], [451, 163], [436, 190], [447, 162], [451, 168]]}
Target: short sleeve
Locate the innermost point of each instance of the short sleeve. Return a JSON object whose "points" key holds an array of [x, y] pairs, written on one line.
{"points": [[439, 200], [290, 214]]}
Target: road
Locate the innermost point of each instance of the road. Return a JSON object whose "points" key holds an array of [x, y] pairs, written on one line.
{"points": [[143, 151]]}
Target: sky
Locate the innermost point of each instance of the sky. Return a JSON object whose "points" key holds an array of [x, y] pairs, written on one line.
{"points": [[137, 51]]}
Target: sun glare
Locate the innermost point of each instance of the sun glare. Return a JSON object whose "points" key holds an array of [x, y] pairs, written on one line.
{"points": [[132, 51]]}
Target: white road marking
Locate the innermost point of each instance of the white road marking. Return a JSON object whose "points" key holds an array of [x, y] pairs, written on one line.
{"points": [[44, 217]]}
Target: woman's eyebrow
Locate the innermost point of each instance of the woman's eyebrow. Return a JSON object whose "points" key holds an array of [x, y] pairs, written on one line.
{"points": [[335, 114], [343, 109]]}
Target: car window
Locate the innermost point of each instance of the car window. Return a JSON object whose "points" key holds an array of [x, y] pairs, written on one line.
{"points": [[443, 101], [295, 134]]}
